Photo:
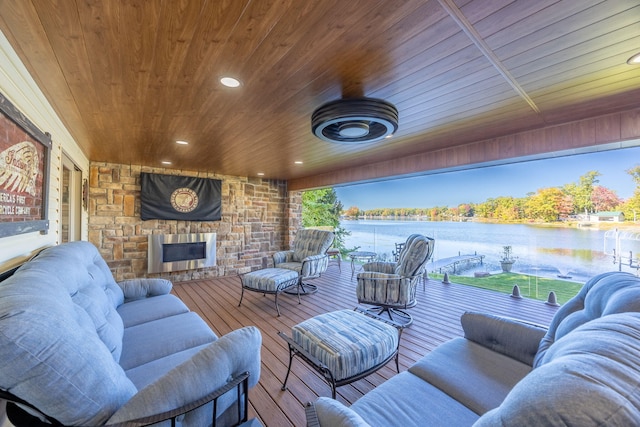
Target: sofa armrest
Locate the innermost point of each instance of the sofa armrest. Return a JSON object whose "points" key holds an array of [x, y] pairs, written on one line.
{"points": [[143, 288], [331, 413], [511, 337], [241, 383], [211, 368]]}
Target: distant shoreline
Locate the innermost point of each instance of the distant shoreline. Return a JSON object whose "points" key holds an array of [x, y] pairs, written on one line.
{"points": [[560, 224]]}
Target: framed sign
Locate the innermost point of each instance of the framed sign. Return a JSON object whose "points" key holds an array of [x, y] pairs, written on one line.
{"points": [[25, 153]]}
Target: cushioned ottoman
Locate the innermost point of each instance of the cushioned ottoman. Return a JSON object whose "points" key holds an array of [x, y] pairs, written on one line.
{"points": [[344, 346], [269, 281]]}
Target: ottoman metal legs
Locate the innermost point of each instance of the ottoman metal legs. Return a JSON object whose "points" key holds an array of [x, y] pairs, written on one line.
{"points": [[269, 281], [343, 346]]}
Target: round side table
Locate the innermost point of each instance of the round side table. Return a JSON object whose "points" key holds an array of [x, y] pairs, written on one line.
{"points": [[363, 256]]}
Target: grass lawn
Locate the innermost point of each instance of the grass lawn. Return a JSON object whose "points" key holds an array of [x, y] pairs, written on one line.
{"points": [[530, 286]]}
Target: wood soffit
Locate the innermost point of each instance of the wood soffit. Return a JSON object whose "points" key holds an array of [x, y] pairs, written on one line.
{"points": [[473, 80]]}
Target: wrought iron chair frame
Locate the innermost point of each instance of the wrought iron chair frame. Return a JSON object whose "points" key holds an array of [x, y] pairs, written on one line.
{"points": [[20, 417]]}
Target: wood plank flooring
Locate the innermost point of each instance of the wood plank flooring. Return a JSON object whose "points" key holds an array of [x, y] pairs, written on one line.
{"points": [[436, 319]]}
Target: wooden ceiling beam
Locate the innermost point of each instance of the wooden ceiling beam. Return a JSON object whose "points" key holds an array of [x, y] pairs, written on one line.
{"points": [[466, 26]]}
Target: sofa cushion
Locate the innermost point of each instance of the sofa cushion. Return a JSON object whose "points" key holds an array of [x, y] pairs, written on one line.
{"points": [[149, 309], [148, 341], [586, 378], [474, 375], [49, 370], [407, 400], [143, 375], [607, 293], [89, 286], [510, 337]]}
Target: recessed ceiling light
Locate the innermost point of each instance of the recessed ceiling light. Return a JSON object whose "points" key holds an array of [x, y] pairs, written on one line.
{"points": [[634, 60], [260, 173], [182, 142], [230, 82], [298, 162], [165, 162]]}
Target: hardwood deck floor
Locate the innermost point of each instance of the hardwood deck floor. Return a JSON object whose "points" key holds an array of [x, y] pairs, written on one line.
{"points": [[436, 319]]}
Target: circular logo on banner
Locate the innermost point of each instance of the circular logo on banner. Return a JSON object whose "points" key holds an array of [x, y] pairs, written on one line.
{"points": [[184, 200]]}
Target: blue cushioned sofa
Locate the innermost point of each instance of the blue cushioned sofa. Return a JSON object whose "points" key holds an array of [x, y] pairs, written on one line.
{"points": [[85, 350], [583, 371]]}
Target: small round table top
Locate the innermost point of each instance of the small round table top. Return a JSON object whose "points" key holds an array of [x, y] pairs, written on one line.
{"points": [[362, 254]]}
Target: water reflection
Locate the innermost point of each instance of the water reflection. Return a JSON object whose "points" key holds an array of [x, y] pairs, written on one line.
{"points": [[545, 251]]}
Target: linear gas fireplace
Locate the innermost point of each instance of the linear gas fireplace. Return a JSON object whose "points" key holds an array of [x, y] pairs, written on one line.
{"points": [[177, 252]]}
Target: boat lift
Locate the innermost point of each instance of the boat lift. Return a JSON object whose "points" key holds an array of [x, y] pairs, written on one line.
{"points": [[624, 247]]}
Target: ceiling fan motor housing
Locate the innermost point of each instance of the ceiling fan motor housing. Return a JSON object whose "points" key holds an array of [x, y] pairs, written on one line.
{"points": [[354, 120]]}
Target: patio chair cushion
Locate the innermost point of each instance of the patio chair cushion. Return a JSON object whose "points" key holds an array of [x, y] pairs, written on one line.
{"points": [[270, 279], [311, 242], [415, 253], [347, 342]]}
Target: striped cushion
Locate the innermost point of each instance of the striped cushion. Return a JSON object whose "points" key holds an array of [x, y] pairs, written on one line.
{"points": [[389, 289], [346, 341], [270, 279]]}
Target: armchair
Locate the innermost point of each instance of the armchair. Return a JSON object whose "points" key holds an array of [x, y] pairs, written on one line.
{"points": [[391, 286], [308, 257]]}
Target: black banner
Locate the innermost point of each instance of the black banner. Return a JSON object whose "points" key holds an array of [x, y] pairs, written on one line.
{"points": [[180, 197]]}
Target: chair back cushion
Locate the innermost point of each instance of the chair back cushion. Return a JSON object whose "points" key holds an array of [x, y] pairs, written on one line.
{"points": [[415, 254], [311, 242]]}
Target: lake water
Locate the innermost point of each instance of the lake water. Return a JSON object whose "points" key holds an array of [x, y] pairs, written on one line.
{"points": [[540, 251]]}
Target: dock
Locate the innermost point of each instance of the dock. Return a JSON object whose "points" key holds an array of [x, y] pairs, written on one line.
{"points": [[451, 264]]}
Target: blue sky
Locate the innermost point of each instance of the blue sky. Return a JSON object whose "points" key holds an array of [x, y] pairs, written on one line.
{"points": [[478, 185]]}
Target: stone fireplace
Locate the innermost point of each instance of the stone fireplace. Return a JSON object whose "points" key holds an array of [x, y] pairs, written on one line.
{"points": [[258, 218]]}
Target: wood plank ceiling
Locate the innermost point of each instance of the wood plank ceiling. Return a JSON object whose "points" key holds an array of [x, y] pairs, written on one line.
{"points": [[128, 78]]}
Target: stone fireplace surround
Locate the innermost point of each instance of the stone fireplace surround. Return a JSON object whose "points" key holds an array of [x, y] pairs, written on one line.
{"points": [[258, 218]]}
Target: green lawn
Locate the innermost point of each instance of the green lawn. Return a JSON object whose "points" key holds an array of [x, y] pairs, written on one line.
{"points": [[530, 286]]}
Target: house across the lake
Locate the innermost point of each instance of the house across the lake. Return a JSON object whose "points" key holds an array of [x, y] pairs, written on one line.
{"points": [[613, 216]]}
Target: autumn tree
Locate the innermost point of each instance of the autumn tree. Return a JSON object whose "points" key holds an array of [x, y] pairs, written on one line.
{"points": [[507, 209], [353, 212], [631, 207], [635, 175], [465, 210], [566, 206], [545, 204], [486, 209], [604, 199], [582, 191]]}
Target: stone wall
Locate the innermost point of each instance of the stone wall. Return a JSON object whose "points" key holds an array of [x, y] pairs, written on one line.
{"points": [[258, 216]]}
